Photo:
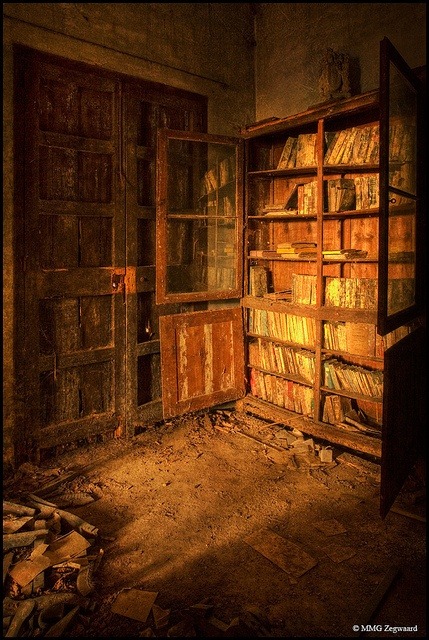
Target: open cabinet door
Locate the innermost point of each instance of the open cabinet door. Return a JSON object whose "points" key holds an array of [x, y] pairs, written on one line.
{"points": [[202, 360], [400, 292], [199, 259], [405, 398]]}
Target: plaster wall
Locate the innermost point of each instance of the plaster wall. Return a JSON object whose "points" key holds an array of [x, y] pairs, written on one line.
{"points": [[291, 39]]}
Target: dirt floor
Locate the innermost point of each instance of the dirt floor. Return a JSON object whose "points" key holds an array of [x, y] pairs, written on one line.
{"points": [[222, 525]]}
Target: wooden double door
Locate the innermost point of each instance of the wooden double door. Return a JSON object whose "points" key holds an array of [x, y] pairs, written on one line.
{"points": [[87, 352]]}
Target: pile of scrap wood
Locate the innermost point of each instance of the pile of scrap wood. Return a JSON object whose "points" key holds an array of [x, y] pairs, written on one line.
{"points": [[49, 559]]}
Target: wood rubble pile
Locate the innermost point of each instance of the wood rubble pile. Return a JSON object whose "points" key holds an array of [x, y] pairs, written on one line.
{"points": [[49, 559]]}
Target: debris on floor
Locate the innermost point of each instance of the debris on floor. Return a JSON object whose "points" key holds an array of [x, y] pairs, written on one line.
{"points": [[134, 603], [280, 445], [215, 524], [198, 620], [50, 557], [330, 527]]}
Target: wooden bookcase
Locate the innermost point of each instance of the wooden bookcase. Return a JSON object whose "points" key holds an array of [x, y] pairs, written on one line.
{"points": [[333, 314], [314, 208], [311, 311]]}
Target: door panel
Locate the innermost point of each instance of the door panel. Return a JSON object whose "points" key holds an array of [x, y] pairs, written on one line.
{"points": [[72, 352], [401, 177], [400, 291], [202, 357]]}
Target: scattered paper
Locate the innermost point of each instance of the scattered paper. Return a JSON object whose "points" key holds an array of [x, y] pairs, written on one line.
{"points": [[134, 603], [10, 525], [26, 570], [339, 553], [287, 555], [68, 546], [160, 616]]}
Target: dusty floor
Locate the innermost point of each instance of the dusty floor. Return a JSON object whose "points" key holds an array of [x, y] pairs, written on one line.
{"points": [[237, 537]]}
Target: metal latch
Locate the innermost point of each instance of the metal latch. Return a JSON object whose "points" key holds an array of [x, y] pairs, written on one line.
{"points": [[118, 280], [118, 284]]}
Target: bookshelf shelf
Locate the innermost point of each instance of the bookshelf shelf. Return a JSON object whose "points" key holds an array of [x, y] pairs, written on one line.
{"points": [[285, 376], [286, 217], [286, 343], [269, 173], [350, 168], [358, 358], [346, 393], [355, 213]]}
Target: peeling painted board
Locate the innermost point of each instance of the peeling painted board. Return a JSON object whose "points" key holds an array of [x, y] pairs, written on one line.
{"points": [[223, 356], [191, 359], [206, 367], [205, 358]]}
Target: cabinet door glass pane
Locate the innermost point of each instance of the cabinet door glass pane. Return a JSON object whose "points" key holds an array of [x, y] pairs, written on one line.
{"points": [[402, 132], [199, 221], [399, 203], [401, 272], [201, 255]]}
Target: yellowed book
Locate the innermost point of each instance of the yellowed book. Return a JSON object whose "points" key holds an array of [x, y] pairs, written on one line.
{"points": [[360, 338]]}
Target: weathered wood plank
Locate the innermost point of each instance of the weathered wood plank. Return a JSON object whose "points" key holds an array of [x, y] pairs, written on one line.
{"points": [[73, 430], [77, 282], [190, 380]]}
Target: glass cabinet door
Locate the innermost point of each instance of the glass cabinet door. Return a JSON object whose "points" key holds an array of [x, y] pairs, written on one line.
{"points": [[400, 233], [199, 217]]}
